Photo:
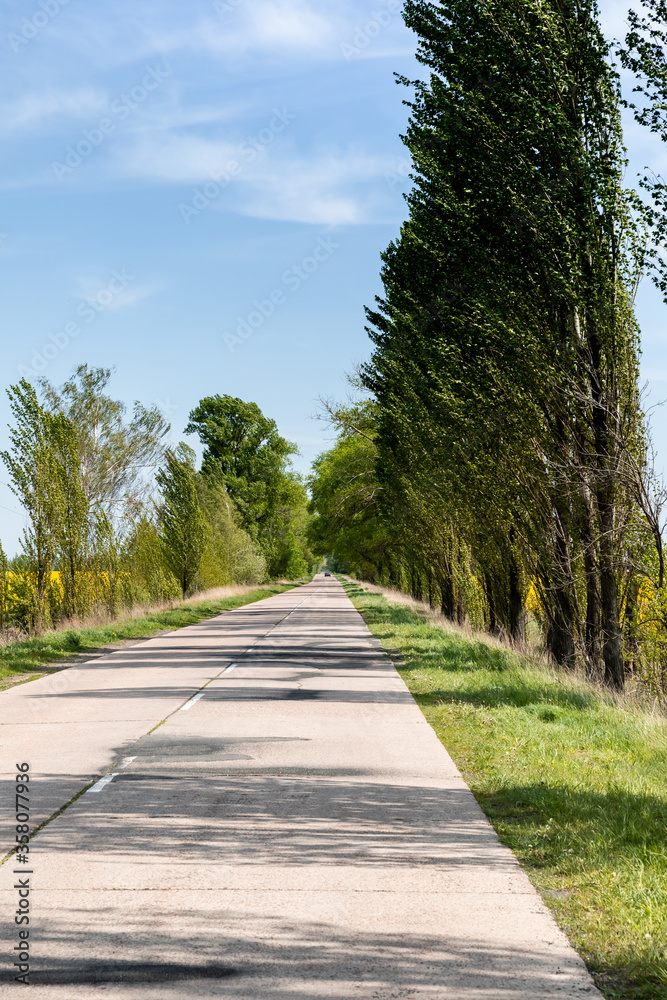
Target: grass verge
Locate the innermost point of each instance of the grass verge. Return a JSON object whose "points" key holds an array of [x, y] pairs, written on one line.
{"points": [[30, 656], [573, 781]]}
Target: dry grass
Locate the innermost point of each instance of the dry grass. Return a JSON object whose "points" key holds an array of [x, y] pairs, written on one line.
{"points": [[100, 618], [33, 654], [634, 698]]}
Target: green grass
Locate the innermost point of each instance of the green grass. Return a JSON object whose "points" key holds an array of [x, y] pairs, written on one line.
{"points": [[574, 782], [31, 655]]}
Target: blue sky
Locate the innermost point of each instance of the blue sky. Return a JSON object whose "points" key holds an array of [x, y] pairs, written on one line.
{"points": [[198, 194]]}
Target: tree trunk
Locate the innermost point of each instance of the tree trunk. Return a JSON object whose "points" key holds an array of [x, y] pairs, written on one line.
{"points": [[517, 613], [630, 622], [560, 640], [490, 599], [612, 639], [447, 595], [593, 643], [605, 494]]}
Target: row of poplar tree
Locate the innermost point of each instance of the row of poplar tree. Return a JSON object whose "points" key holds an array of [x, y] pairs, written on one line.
{"points": [[118, 517], [500, 467]]}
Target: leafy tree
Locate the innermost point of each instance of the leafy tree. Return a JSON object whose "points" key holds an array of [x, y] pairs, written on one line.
{"points": [[149, 578], [345, 493], [114, 453], [242, 446], [231, 555], [245, 453], [505, 362], [71, 504], [107, 565], [183, 526], [44, 473]]}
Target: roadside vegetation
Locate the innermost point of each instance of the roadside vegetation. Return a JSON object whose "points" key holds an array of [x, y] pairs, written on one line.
{"points": [[572, 777], [496, 460], [118, 517], [31, 656]]}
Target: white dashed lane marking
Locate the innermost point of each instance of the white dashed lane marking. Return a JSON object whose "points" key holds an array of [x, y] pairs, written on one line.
{"points": [[99, 785], [190, 703]]}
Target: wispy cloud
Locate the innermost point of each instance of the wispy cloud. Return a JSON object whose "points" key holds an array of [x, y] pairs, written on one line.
{"points": [[169, 156], [34, 109], [186, 130], [317, 188], [332, 187], [120, 291], [261, 26]]}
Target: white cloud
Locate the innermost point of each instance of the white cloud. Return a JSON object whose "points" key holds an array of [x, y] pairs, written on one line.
{"points": [[317, 190], [32, 109], [272, 183], [165, 156], [262, 25]]}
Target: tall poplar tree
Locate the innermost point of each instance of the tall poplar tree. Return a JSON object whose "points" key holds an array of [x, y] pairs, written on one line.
{"points": [[505, 363]]}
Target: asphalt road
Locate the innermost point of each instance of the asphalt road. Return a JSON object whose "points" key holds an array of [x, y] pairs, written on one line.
{"points": [[271, 816]]}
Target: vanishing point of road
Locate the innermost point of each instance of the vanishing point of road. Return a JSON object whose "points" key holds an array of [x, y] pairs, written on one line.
{"points": [[268, 815]]}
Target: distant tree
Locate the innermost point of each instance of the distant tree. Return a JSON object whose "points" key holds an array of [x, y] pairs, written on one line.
{"points": [[184, 525], [345, 496], [231, 555], [243, 449], [245, 453]]}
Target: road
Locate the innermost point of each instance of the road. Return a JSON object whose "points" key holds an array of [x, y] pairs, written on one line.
{"points": [[269, 816]]}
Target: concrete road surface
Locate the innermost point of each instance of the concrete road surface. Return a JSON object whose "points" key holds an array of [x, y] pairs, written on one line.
{"points": [[271, 816]]}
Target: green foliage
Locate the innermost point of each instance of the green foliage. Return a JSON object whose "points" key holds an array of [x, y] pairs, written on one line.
{"points": [[572, 780], [98, 543], [71, 526], [45, 476], [505, 366], [230, 555], [242, 445], [114, 454], [149, 578], [345, 495], [183, 528], [384, 526], [245, 453]]}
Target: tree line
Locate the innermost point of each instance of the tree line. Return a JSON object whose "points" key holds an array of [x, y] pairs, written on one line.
{"points": [[500, 465], [117, 517]]}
